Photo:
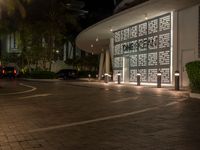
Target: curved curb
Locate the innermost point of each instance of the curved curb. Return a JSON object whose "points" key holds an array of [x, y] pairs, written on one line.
{"points": [[195, 95], [22, 92]]}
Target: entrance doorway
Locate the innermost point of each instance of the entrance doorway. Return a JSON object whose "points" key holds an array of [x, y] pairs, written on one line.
{"points": [[126, 69]]}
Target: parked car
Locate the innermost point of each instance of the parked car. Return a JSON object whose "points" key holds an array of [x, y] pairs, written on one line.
{"points": [[9, 72], [67, 74], [1, 72]]}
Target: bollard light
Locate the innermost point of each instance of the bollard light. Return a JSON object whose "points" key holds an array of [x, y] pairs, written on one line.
{"points": [[118, 77], [106, 77], [177, 74], [159, 79], [138, 79], [89, 76]]}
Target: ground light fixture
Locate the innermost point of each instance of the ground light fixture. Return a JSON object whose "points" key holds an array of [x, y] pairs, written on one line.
{"points": [[138, 79], [118, 77], [89, 76], [106, 77], [159, 75], [177, 75]]}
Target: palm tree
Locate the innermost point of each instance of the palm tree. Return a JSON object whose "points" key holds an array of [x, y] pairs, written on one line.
{"points": [[11, 5]]}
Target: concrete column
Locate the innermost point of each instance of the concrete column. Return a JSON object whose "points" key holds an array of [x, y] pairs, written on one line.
{"points": [[101, 62], [111, 46], [65, 52], [107, 61]]}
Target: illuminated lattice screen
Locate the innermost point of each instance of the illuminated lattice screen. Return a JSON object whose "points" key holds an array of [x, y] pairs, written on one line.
{"points": [[147, 45]]}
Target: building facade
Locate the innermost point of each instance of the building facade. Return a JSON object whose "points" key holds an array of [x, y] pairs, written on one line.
{"points": [[144, 48], [155, 36]]}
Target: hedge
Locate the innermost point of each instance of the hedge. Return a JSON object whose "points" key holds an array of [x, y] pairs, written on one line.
{"points": [[193, 71], [42, 75]]}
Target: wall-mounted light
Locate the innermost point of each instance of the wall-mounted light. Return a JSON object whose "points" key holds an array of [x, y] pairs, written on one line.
{"points": [[145, 17]]}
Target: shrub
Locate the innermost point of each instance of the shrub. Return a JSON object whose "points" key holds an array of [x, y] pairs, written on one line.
{"points": [[193, 71], [42, 75]]}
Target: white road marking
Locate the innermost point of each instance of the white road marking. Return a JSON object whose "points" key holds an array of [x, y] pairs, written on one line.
{"points": [[92, 121], [27, 91], [125, 99], [172, 103], [100, 119], [36, 95], [176, 102]]}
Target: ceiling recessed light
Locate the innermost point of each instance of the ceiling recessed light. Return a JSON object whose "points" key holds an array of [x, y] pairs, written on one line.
{"points": [[146, 18]]}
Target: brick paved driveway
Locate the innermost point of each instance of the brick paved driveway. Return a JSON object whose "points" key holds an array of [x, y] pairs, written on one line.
{"points": [[90, 116]]}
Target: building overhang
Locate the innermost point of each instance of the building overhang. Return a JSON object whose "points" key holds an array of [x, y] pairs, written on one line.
{"points": [[96, 38]]}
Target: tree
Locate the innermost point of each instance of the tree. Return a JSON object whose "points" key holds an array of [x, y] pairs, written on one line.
{"points": [[38, 21]]}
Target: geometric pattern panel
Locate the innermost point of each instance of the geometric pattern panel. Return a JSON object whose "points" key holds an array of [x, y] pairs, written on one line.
{"points": [[153, 42], [153, 26], [133, 31], [133, 75], [152, 75], [142, 60], [152, 59], [147, 45], [165, 75], [126, 34], [164, 40], [133, 61], [164, 58], [125, 47], [143, 29], [118, 62], [143, 76], [118, 50], [122, 35], [133, 46], [117, 36], [142, 44], [165, 23]]}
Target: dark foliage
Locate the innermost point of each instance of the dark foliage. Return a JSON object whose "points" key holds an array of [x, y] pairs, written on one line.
{"points": [[193, 71]]}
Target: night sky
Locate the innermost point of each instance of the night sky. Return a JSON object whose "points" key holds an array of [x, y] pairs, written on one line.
{"points": [[97, 10]]}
